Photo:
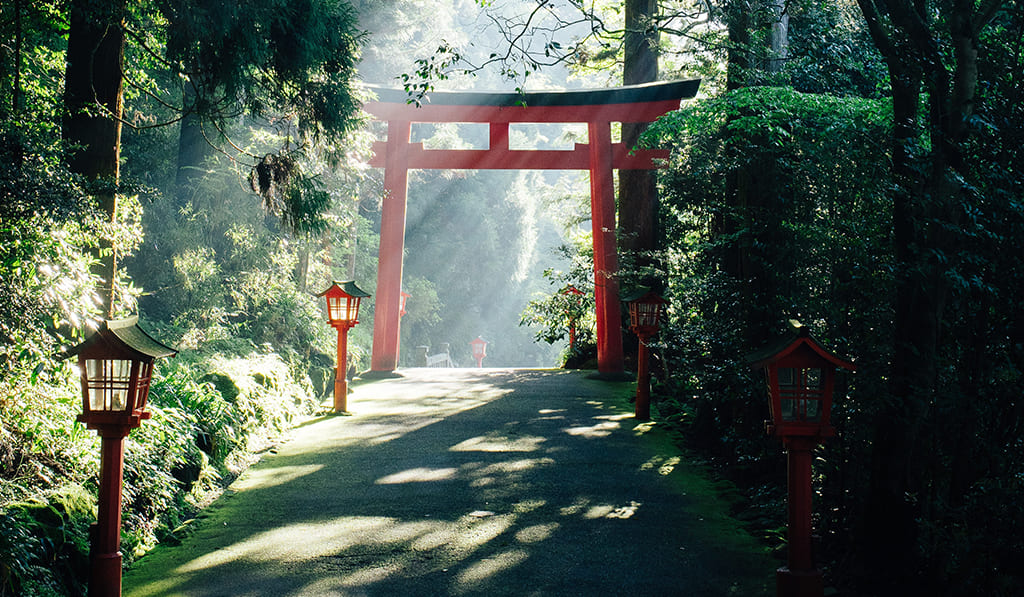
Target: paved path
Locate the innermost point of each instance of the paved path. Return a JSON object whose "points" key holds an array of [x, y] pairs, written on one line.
{"points": [[466, 482]]}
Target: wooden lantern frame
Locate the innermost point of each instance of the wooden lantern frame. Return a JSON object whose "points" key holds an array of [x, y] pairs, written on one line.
{"points": [[343, 299], [646, 308], [116, 365], [800, 374]]}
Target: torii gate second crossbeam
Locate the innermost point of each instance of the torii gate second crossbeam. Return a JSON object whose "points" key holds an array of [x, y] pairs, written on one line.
{"points": [[597, 108]]}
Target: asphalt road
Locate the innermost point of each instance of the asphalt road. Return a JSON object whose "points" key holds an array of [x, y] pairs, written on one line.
{"points": [[466, 482]]}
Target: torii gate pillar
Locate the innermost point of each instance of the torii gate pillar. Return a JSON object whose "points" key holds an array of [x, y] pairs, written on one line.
{"points": [[387, 321], [606, 260], [598, 108]]}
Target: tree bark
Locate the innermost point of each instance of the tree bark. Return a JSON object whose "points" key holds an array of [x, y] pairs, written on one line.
{"points": [[638, 195], [738, 24], [924, 202], [193, 152], [92, 122], [779, 49]]}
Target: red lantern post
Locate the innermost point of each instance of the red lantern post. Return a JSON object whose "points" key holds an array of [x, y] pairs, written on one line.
{"points": [[576, 293], [342, 313], [479, 350], [405, 296], [801, 380], [115, 363], [645, 309]]}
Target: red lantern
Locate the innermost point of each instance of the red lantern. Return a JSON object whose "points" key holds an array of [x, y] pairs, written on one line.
{"points": [[645, 310], [343, 303], [404, 297], [571, 290], [116, 363], [342, 312], [479, 350], [801, 379]]}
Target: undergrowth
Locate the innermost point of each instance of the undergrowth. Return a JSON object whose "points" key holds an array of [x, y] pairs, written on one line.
{"points": [[211, 413]]}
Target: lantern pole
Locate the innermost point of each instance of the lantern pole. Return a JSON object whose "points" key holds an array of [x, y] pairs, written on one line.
{"points": [[645, 308], [642, 411], [105, 556], [113, 404], [341, 372], [343, 300], [802, 425], [800, 577]]}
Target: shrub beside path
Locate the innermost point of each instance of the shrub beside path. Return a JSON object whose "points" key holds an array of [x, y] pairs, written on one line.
{"points": [[467, 482]]}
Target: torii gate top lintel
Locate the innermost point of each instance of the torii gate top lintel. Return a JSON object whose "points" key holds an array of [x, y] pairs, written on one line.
{"points": [[595, 107], [598, 108], [630, 103]]}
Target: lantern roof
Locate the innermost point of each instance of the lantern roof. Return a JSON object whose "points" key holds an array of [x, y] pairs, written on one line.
{"points": [[124, 335], [645, 295], [798, 339], [345, 288]]}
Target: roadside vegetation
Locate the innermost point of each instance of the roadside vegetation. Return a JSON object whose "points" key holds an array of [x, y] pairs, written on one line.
{"points": [[853, 165]]}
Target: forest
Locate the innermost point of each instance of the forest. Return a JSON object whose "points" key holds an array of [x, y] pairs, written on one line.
{"points": [[855, 165]]}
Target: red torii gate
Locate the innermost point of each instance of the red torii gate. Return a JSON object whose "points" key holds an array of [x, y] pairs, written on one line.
{"points": [[598, 108]]}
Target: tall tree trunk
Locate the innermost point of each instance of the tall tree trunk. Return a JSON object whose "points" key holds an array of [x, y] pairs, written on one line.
{"points": [[92, 123], [890, 521], [927, 190], [737, 15], [779, 39], [193, 151], [302, 268], [638, 195], [752, 188]]}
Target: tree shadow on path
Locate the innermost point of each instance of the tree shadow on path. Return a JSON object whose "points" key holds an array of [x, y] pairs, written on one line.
{"points": [[465, 482]]}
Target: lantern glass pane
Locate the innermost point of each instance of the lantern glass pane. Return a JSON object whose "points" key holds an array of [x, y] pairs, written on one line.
{"points": [[142, 385], [801, 394], [813, 410], [648, 314], [334, 308], [108, 382]]}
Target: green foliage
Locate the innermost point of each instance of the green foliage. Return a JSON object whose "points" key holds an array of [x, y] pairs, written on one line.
{"points": [[43, 549], [476, 236], [813, 245], [435, 67], [274, 57], [569, 310], [44, 277]]}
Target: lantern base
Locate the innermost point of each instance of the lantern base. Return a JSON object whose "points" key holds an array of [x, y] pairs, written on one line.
{"points": [[105, 574], [113, 424], [799, 583]]}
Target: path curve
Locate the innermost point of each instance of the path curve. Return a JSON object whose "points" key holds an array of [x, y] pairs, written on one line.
{"points": [[465, 482]]}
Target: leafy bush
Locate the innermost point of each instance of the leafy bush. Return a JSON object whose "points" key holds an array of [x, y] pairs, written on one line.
{"points": [[775, 207], [567, 310], [43, 546]]}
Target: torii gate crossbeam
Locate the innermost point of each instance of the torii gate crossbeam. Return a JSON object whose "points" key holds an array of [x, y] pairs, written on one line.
{"points": [[597, 108]]}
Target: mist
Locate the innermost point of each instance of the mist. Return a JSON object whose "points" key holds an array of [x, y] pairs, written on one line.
{"points": [[476, 242]]}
